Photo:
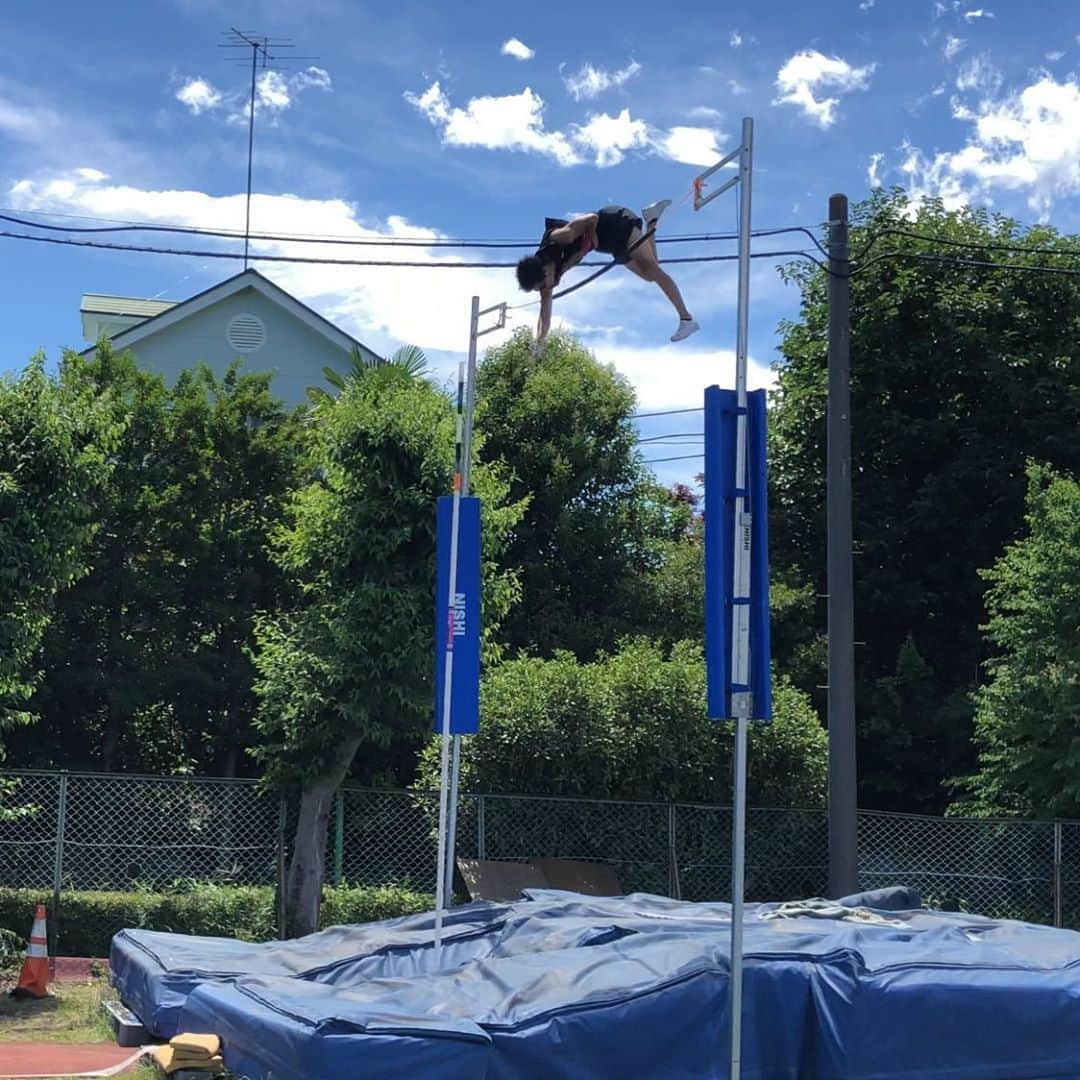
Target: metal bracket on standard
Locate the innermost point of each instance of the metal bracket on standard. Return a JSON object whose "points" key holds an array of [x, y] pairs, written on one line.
{"points": [[701, 200]]}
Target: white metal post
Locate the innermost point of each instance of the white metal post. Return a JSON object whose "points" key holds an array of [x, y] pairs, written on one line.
{"points": [[450, 768], [466, 464], [448, 686], [741, 703]]}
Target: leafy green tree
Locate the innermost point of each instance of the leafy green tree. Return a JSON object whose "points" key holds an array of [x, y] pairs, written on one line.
{"points": [[631, 725], [595, 518], [234, 460], [103, 656], [55, 444], [1027, 717], [959, 374], [350, 665], [409, 358], [147, 662]]}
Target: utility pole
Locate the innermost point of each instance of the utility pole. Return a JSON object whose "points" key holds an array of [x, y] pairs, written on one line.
{"points": [[843, 790], [264, 53]]}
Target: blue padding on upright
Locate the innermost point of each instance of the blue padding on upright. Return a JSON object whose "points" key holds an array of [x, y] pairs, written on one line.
{"points": [[719, 560], [465, 691], [760, 641], [721, 426]]}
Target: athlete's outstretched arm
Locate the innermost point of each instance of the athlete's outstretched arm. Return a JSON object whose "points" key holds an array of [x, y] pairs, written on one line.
{"points": [[543, 324], [567, 234]]}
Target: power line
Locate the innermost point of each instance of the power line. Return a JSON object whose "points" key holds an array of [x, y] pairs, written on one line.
{"points": [[949, 260], [373, 241], [318, 260], [682, 457], [667, 412], [673, 435], [974, 245]]}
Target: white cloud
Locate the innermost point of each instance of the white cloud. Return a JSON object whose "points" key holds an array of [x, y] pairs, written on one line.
{"points": [[672, 376], [953, 45], [873, 176], [809, 72], [1054, 56], [978, 13], [866, 5], [311, 77], [91, 176], [590, 82], [272, 91], [607, 138], [199, 95], [979, 74], [511, 122], [737, 87], [516, 122], [938, 90], [1026, 141], [736, 39], [690, 145], [517, 49], [276, 93], [705, 112]]}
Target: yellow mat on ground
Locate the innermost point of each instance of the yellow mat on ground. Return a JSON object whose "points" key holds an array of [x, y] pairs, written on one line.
{"points": [[210, 1045], [171, 1060]]}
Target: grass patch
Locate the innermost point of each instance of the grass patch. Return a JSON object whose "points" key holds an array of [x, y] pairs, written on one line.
{"points": [[72, 1014]]}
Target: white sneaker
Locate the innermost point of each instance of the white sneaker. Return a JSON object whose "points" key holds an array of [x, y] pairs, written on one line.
{"points": [[686, 328], [651, 213]]}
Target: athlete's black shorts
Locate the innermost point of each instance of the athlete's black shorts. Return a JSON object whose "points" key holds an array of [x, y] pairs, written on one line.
{"points": [[613, 231]]}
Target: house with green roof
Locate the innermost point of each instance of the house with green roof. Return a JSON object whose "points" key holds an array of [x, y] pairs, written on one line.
{"points": [[246, 317]]}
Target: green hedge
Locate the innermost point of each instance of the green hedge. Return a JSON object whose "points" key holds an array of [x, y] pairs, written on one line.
{"points": [[88, 920]]}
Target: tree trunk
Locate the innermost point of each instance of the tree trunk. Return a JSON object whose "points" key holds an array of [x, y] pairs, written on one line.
{"points": [[231, 757], [110, 739], [308, 863]]}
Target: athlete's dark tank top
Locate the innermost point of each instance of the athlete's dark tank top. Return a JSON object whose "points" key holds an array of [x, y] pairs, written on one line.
{"points": [[613, 229]]}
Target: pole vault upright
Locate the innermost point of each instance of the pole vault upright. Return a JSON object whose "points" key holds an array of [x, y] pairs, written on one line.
{"points": [[457, 617], [736, 599]]}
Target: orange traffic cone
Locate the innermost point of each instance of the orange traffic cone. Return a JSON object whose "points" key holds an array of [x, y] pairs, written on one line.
{"points": [[34, 977]]}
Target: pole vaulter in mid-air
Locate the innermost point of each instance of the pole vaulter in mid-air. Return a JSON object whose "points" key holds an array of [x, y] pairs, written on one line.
{"points": [[613, 230]]}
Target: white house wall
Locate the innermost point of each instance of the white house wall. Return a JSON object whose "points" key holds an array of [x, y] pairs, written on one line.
{"points": [[292, 351]]}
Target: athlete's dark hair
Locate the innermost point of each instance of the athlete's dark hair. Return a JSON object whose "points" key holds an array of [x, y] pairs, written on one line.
{"points": [[530, 272]]}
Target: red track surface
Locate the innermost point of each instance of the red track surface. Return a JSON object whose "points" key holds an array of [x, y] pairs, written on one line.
{"points": [[59, 1059], [67, 968]]}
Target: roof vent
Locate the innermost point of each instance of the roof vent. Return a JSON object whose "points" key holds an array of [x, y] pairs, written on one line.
{"points": [[246, 333]]}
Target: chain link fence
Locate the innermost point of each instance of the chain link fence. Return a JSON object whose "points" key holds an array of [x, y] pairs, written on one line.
{"points": [[63, 832]]}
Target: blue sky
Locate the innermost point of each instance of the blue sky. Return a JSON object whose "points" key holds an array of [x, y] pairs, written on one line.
{"points": [[454, 120]]}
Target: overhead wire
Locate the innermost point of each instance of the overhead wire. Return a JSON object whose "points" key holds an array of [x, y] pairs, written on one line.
{"points": [[674, 435], [367, 241], [1007, 267], [945, 241], [321, 260], [681, 457], [666, 412]]}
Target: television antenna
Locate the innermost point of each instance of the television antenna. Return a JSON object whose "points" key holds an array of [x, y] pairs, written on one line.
{"points": [[266, 53]]}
